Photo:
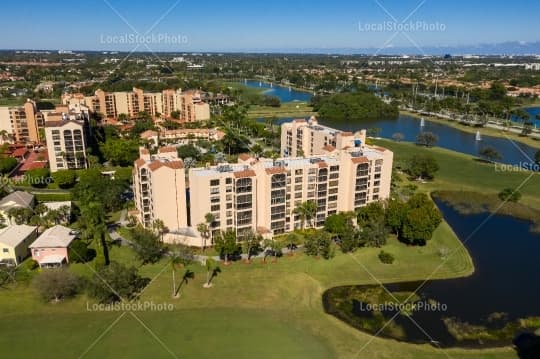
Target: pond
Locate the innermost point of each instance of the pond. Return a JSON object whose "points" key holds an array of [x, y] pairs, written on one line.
{"points": [[512, 152], [285, 94], [503, 288]]}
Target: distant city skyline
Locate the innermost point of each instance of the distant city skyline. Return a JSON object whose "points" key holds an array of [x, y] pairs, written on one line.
{"points": [[381, 26]]}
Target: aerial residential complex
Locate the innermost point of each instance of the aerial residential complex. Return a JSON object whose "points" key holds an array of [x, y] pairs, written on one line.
{"points": [[188, 104], [259, 194]]}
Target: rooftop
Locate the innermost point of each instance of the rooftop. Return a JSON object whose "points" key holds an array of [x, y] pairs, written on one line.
{"points": [[57, 236], [15, 234], [17, 199]]}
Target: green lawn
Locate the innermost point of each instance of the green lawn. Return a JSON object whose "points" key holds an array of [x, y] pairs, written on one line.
{"points": [[263, 310], [287, 109], [461, 172]]}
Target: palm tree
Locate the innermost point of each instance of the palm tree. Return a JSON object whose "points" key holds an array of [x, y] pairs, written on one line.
{"points": [[205, 233], [159, 227], [306, 211], [176, 261], [210, 219], [211, 270]]}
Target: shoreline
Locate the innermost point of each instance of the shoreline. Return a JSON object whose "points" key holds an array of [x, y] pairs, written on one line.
{"points": [[487, 131]]}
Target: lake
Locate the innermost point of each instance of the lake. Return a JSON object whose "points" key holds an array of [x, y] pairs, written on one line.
{"points": [[512, 152], [505, 255], [283, 93]]}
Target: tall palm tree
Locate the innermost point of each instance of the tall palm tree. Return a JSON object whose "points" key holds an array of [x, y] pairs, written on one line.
{"points": [[176, 261], [306, 211], [159, 226]]}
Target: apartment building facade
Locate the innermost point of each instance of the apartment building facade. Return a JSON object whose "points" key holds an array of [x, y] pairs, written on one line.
{"points": [[22, 123], [261, 195], [66, 144], [305, 138], [187, 104], [159, 187]]}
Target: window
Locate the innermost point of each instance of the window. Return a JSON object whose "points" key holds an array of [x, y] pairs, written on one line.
{"points": [[228, 180], [214, 207], [298, 172], [214, 182], [5, 250]]}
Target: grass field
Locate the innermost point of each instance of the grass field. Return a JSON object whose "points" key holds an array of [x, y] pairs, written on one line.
{"points": [[287, 109]]}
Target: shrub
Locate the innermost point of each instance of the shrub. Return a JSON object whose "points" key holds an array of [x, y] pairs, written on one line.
{"points": [[57, 284], [510, 195], [386, 257], [65, 178]]}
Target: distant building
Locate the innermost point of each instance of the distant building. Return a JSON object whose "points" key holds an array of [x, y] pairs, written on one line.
{"points": [[188, 104], [66, 144], [14, 243], [182, 136], [307, 138], [50, 249], [22, 123]]}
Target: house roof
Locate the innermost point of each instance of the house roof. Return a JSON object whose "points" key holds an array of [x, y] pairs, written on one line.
{"points": [[17, 199], [55, 205], [15, 234], [57, 236], [329, 148], [167, 149], [275, 170], [244, 156], [19, 152], [148, 134]]}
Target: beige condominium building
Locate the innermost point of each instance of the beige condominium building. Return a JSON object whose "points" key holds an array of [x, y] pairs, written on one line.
{"points": [[66, 144], [188, 104], [262, 194], [22, 123], [159, 187], [305, 138], [258, 194]]}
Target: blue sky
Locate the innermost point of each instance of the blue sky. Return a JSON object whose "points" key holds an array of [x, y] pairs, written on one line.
{"points": [[212, 25]]}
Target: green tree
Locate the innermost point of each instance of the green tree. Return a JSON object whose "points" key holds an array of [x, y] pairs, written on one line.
{"points": [[306, 211], [251, 243], [37, 177], [7, 164], [226, 245], [319, 244], [188, 150], [159, 227], [395, 213], [509, 195], [116, 282], [120, 152], [65, 178], [147, 245], [80, 253], [428, 139], [422, 166], [212, 269], [56, 284], [489, 153], [182, 257]]}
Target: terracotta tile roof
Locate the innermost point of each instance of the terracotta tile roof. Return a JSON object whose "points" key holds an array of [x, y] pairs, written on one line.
{"points": [[245, 173], [322, 164], [299, 120], [154, 165], [359, 160], [275, 170], [144, 151], [175, 165], [19, 152], [329, 148], [347, 133], [244, 156], [140, 162], [167, 149]]}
